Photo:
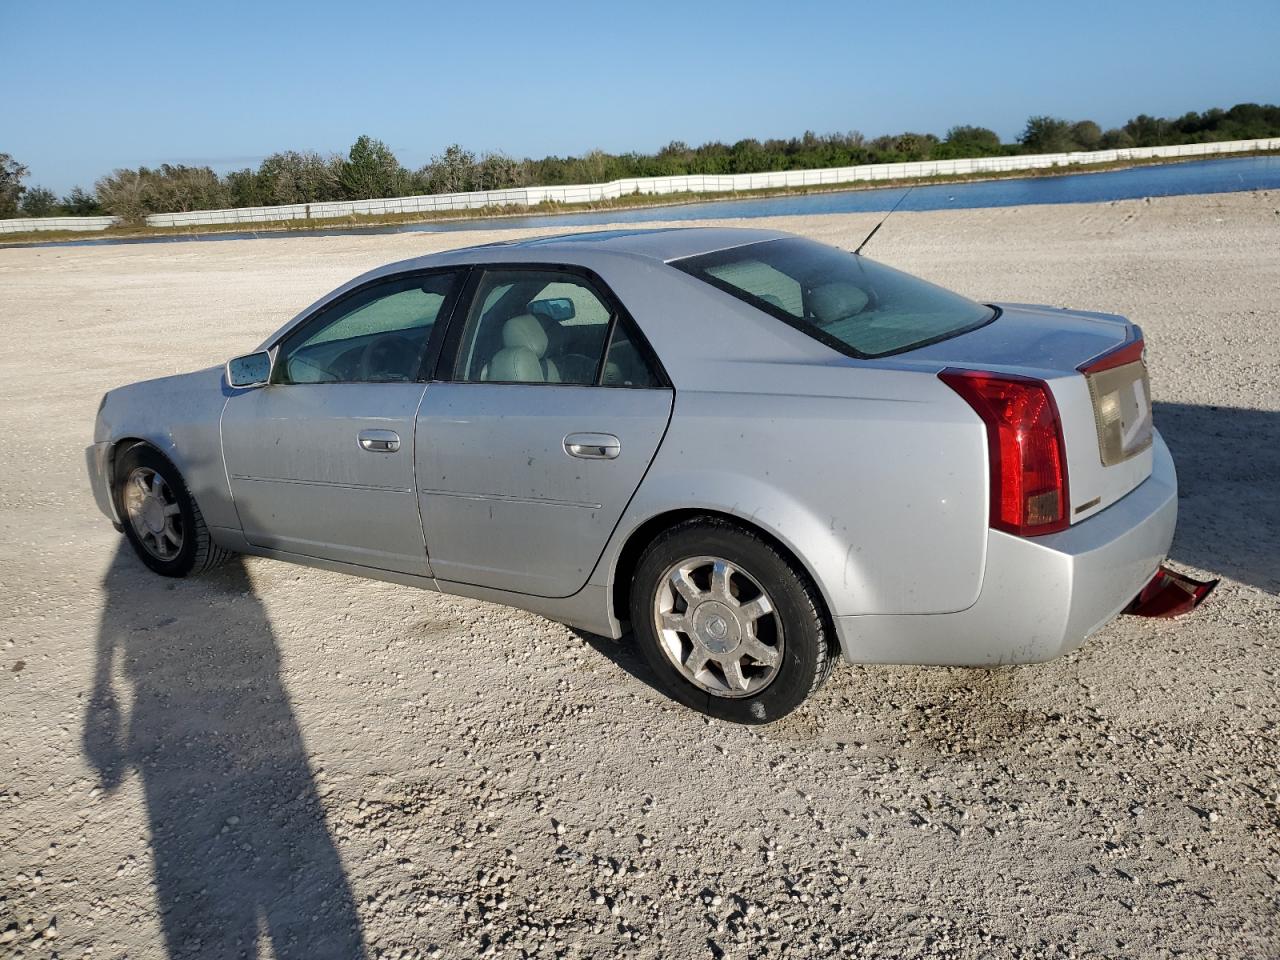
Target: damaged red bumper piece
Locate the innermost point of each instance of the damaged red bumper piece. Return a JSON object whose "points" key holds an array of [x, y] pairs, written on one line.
{"points": [[1170, 594]]}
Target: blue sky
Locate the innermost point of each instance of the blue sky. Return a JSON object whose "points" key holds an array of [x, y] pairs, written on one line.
{"points": [[93, 86]]}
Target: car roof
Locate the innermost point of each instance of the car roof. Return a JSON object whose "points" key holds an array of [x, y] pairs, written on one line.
{"points": [[620, 256], [661, 244]]}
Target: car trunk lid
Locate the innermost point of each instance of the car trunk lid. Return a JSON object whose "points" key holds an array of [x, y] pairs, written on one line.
{"points": [[1095, 368]]}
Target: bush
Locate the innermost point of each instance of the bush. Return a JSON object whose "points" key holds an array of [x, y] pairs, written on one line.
{"points": [[123, 193]]}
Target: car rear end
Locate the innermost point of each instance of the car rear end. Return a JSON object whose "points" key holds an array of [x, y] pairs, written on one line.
{"points": [[1081, 490]]}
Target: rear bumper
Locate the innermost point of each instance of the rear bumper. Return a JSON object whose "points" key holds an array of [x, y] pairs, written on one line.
{"points": [[97, 460], [1040, 597]]}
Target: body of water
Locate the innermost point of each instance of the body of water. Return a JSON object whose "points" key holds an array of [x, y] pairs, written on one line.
{"points": [[1163, 180]]}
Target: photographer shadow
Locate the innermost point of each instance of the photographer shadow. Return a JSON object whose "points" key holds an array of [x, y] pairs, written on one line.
{"points": [[239, 841]]}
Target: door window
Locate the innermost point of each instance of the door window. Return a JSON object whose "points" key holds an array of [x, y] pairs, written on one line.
{"points": [[546, 326], [625, 364], [378, 334]]}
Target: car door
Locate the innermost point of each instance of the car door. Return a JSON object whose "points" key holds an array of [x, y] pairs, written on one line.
{"points": [[537, 433], [321, 459]]}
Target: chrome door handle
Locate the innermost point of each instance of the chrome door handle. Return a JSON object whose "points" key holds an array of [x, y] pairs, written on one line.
{"points": [[592, 446], [379, 441]]}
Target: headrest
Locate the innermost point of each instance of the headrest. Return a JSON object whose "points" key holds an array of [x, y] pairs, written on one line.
{"points": [[837, 301], [525, 331]]}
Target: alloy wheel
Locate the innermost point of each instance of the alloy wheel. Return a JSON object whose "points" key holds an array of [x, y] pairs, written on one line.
{"points": [[153, 513], [718, 627]]}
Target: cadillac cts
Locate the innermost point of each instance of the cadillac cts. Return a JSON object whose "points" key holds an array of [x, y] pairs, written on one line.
{"points": [[754, 450]]}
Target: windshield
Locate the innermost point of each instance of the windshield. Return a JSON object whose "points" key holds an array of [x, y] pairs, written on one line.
{"points": [[855, 305]]}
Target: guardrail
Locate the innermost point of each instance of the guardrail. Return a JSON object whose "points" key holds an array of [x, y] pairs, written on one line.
{"points": [[692, 183]]}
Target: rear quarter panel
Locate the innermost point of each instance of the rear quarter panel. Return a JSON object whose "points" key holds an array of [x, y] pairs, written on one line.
{"points": [[180, 417], [883, 496]]}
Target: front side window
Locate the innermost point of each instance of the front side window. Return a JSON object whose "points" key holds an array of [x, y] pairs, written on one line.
{"points": [[377, 334], [855, 305], [546, 326]]}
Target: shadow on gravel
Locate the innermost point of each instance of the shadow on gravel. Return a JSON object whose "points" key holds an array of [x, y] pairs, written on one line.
{"points": [[238, 835], [1228, 461], [624, 654]]}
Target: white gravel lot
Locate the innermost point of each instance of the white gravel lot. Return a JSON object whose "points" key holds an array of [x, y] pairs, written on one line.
{"points": [[276, 761]]}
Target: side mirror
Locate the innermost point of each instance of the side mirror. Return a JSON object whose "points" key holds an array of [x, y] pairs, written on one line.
{"points": [[555, 309], [251, 370]]}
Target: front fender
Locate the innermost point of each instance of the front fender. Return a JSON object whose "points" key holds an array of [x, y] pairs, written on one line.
{"points": [[179, 416]]}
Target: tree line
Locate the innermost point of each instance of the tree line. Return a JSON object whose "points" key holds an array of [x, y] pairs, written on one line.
{"points": [[370, 170]]}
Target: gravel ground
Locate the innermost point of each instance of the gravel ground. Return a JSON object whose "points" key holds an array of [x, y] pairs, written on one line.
{"points": [[276, 761]]}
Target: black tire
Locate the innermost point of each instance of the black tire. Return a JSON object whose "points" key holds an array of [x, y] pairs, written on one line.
{"points": [[808, 654], [197, 552]]}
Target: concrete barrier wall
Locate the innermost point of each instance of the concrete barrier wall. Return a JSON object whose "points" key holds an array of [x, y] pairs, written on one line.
{"points": [[523, 197], [23, 224]]}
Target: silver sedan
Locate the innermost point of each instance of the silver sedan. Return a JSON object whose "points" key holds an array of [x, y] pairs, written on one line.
{"points": [[755, 451]]}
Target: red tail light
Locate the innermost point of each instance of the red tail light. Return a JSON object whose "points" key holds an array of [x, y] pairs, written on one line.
{"points": [[1024, 443]]}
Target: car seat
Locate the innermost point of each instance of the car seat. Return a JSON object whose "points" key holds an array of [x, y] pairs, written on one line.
{"points": [[522, 358]]}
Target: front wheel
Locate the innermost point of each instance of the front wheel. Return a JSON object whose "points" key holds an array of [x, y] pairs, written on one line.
{"points": [[727, 623], [161, 518]]}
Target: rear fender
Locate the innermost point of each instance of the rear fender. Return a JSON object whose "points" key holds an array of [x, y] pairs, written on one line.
{"points": [[884, 502]]}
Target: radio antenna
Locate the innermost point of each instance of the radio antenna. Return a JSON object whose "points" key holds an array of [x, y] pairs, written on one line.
{"points": [[886, 217]]}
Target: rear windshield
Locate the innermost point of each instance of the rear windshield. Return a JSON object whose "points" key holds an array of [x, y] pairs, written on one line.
{"points": [[855, 305]]}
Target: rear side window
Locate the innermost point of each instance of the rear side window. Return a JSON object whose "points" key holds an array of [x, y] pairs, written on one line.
{"points": [[549, 327], [857, 306]]}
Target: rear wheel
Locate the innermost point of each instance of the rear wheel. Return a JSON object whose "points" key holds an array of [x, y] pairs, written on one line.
{"points": [[727, 623], [161, 518]]}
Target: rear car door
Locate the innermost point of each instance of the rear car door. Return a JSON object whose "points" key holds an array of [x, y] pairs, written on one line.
{"points": [[320, 460], [547, 413]]}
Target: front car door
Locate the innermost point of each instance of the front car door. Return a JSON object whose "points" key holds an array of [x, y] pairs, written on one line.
{"points": [[321, 459], [548, 410]]}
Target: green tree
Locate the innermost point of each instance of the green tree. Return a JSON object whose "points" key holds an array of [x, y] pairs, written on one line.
{"points": [[749, 156], [453, 171], [1115, 139], [673, 159], [497, 171], [370, 171], [1086, 135], [1149, 131], [293, 177], [38, 202], [914, 146], [1045, 134], [81, 203], [974, 141], [247, 189], [11, 188]]}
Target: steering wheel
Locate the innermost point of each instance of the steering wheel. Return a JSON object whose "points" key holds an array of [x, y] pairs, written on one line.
{"points": [[387, 357]]}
